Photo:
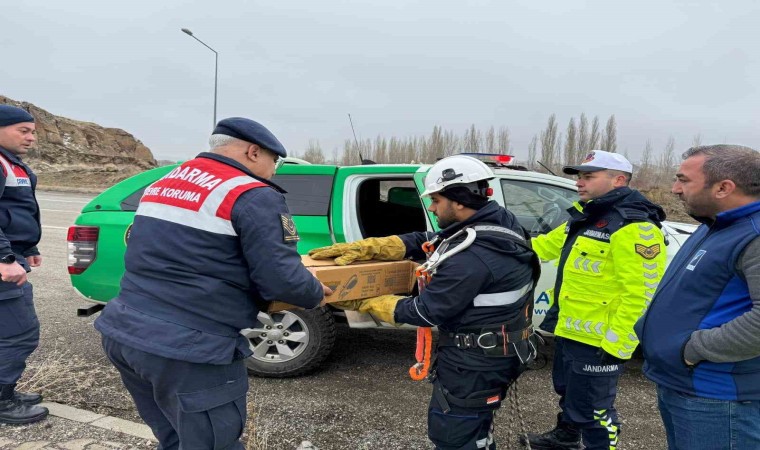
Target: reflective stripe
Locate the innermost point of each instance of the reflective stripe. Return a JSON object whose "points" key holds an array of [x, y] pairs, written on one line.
{"points": [[588, 326], [502, 298], [612, 430], [15, 176], [420, 314], [205, 218], [498, 230]]}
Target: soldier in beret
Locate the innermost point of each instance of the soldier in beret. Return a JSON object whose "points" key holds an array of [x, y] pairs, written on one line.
{"points": [[19, 327], [209, 243]]}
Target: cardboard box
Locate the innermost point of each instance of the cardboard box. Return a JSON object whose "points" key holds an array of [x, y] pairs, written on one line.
{"points": [[359, 280]]}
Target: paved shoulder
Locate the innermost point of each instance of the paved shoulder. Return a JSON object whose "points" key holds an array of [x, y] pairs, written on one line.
{"points": [[69, 428]]}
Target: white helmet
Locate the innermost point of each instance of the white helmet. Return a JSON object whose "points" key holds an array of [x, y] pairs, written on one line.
{"points": [[454, 170]]}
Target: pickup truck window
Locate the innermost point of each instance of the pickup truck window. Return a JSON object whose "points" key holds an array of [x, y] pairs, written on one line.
{"points": [[130, 203], [308, 195], [539, 207], [390, 206]]}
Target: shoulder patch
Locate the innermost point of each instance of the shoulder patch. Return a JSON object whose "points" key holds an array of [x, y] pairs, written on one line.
{"points": [[648, 252], [289, 232]]}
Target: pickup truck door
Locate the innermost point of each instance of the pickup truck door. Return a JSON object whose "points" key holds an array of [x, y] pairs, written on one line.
{"points": [[351, 199]]}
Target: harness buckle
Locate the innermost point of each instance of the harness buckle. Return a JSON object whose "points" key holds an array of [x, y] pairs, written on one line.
{"points": [[491, 338], [464, 341]]}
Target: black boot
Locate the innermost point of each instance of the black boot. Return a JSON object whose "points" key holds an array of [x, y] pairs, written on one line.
{"points": [[29, 398], [563, 437], [15, 412]]}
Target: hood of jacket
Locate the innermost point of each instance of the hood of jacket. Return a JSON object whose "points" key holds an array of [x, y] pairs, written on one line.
{"points": [[625, 199]]}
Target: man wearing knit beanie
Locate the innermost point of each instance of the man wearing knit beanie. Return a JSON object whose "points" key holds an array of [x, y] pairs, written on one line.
{"points": [[19, 327]]}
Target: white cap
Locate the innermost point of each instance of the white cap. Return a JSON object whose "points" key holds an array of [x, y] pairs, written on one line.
{"points": [[598, 160]]}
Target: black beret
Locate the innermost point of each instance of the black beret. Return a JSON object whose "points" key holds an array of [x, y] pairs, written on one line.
{"points": [[250, 131], [11, 115]]}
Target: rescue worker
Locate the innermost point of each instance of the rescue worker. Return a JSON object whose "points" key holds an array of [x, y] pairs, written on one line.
{"points": [[19, 327], [480, 298], [211, 244], [611, 256]]}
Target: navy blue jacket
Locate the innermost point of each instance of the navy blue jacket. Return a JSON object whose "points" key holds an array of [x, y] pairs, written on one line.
{"points": [[701, 289], [491, 264], [20, 229], [210, 245]]}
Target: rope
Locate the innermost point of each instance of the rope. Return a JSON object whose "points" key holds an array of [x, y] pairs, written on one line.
{"points": [[514, 403], [423, 352]]}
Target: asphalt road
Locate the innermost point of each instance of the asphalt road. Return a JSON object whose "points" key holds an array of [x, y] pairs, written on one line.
{"points": [[362, 398]]}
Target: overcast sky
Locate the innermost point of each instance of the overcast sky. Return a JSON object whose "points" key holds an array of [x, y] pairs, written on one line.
{"points": [[399, 67]]}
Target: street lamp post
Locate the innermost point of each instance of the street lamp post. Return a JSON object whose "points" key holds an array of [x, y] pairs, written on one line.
{"points": [[216, 68]]}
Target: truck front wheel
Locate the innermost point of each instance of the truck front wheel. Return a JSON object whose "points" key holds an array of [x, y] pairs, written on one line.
{"points": [[290, 343]]}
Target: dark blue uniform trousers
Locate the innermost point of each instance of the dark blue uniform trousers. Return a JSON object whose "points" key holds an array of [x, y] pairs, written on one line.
{"points": [[587, 390], [19, 332], [467, 428], [187, 405]]}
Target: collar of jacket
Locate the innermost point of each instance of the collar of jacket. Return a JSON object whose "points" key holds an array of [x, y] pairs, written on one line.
{"points": [[598, 205], [12, 157], [480, 216], [726, 218], [237, 165]]}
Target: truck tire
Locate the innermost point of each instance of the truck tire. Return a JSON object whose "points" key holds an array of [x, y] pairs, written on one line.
{"points": [[290, 343]]}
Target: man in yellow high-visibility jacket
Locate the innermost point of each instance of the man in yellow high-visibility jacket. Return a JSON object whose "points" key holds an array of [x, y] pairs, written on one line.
{"points": [[610, 256]]}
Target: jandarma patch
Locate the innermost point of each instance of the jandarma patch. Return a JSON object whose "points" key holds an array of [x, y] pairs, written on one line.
{"points": [[648, 252], [289, 232]]}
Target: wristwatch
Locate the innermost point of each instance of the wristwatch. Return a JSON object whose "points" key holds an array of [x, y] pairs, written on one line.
{"points": [[8, 259]]}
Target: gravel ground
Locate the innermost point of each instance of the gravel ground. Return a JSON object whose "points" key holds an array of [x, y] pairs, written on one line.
{"points": [[362, 398]]}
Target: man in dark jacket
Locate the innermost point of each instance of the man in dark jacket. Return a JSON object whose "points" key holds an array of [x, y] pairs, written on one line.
{"points": [[212, 242], [480, 297], [701, 334], [20, 232]]}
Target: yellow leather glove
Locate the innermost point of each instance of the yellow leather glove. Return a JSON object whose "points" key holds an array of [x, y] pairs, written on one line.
{"points": [[382, 306], [389, 248]]}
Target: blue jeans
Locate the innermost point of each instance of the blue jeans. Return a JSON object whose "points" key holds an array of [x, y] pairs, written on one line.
{"points": [[698, 423]]}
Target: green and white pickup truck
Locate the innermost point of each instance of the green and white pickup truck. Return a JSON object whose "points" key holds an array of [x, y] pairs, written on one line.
{"points": [[329, 204]]}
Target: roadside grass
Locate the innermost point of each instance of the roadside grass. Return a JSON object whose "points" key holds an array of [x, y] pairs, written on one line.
{"points": [[255, 435], [64, 377]]}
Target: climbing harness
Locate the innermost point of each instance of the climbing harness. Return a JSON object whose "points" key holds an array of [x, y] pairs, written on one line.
{"points": [[435, 256]]}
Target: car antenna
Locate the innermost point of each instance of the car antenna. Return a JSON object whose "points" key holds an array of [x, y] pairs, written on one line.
{"points": [[364, 161], [550, 170]]}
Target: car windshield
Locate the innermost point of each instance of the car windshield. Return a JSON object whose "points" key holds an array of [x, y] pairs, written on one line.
{"points": [[539, 207]]}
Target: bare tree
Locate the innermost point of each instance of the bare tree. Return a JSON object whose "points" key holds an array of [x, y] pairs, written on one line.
{"points": [[571, 143], [593, 138], [434, 148], [667, 159], [411, 154], [697, 141], [335, 156], [532, 147], [491, 140], [472, 140], [609, 139], [350, 154], [380, 155], [503, 140], [549, 142], [451, 144], [314, 153], [646, 176], [395, 151], [583, 138]]}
